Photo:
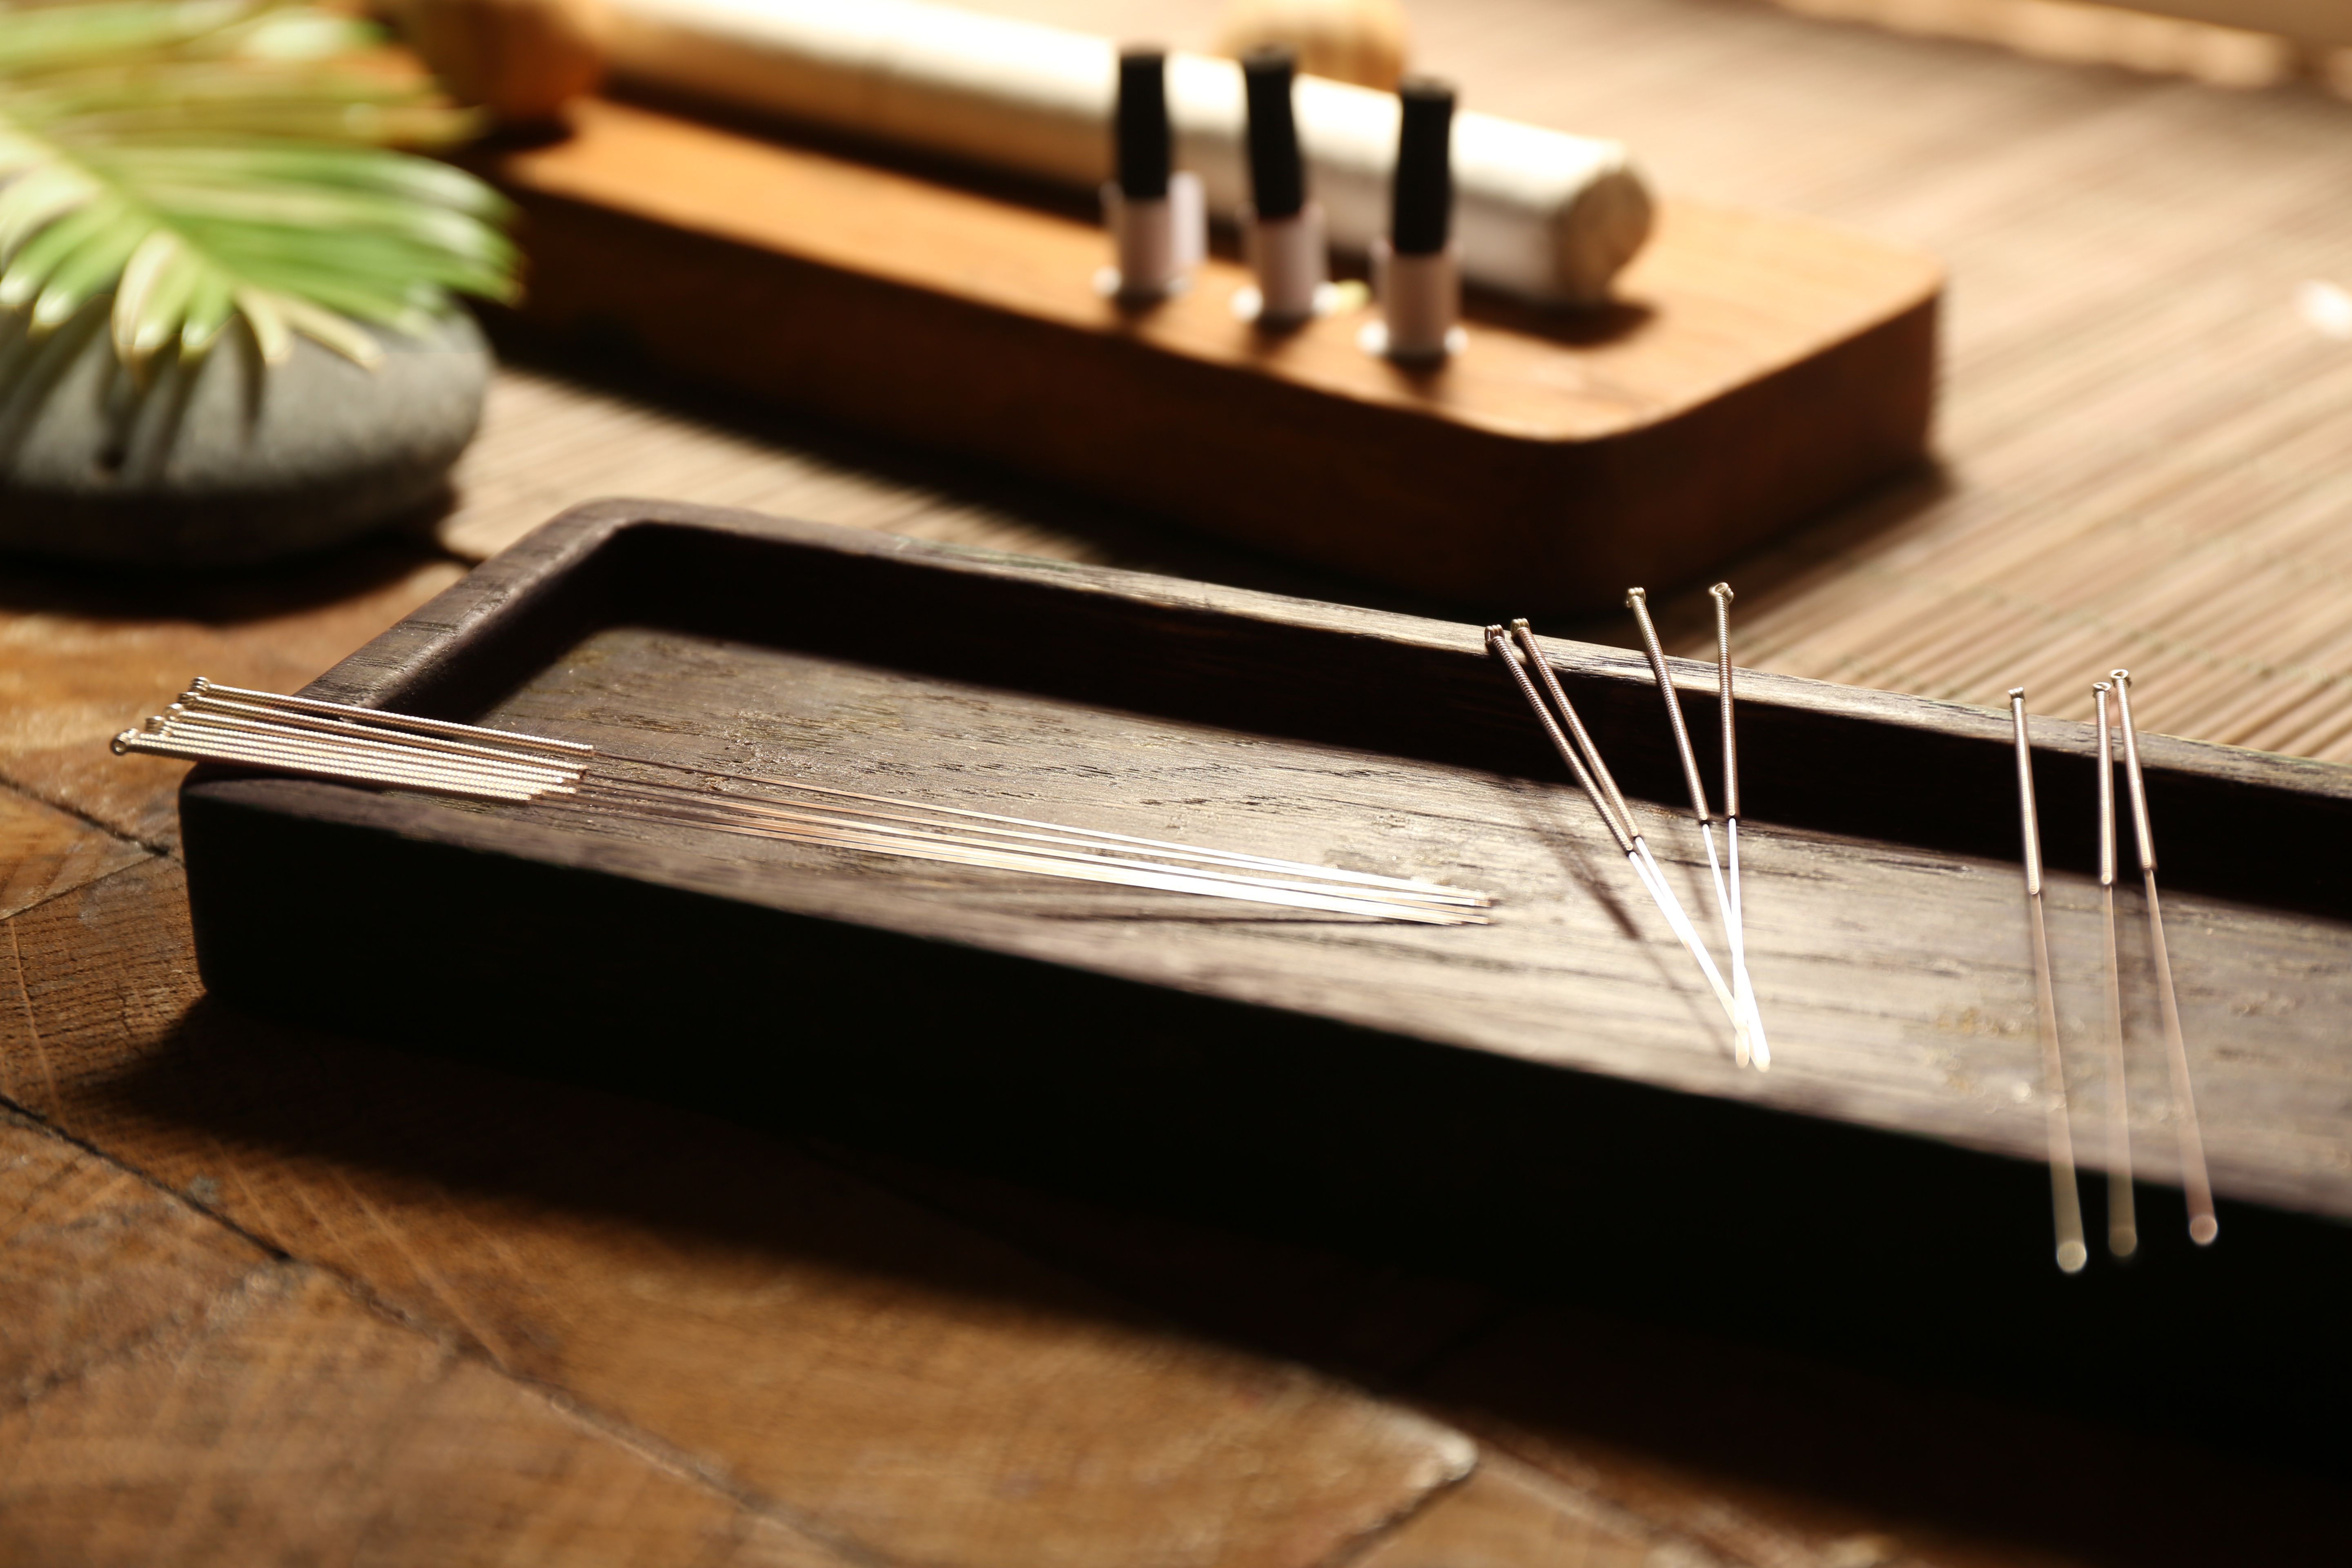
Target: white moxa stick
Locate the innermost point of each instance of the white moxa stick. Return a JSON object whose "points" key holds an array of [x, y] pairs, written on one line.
{"points": [[1540, 214]]}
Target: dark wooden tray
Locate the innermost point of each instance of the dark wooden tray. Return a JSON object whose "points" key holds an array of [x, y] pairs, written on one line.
{"points": [[1257, 1060]]}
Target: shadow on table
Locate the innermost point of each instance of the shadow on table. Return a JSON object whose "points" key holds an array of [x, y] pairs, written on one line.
{"points": [[227, 597], [1771, 1298]]}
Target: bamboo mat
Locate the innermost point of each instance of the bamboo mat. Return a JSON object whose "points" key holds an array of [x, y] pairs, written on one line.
{"points": [[2146, 432]]}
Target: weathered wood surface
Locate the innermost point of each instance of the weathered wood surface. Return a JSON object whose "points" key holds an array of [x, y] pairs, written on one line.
{"points": [[1892, 963], [52, 852], [83, 654], [176, 1393]]}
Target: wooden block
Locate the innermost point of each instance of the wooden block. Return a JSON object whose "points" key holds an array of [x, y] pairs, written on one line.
{"points": [[836, 1353], [1753, 369]]}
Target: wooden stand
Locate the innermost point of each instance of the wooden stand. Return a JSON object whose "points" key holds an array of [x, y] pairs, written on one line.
{"points": [[1754, 370]]}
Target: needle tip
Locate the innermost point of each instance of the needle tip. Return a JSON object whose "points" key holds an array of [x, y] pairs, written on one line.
{"points": [[2072, 1256], [2203, 1229], [2123, 1243], [1722, 591], [1635, 595]]}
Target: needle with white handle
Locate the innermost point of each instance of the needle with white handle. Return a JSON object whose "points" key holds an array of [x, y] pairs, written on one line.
{"points": [[2065, 1202], [2123, 1229], [1721, 593], [2196, 1184]]}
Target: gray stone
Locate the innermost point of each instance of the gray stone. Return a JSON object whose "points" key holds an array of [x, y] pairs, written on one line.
{"points": [[226, 462]]}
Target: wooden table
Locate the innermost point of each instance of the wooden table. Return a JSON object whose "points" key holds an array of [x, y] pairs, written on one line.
{"points": [[271, 1296]]}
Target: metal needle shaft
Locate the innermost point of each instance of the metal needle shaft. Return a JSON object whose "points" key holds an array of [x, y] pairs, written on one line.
{"points": [[2065, 1202], [1638, 601], [357, 745], [1583, 760], [2122, 1228], [2204, 1226], [1721, 594]]}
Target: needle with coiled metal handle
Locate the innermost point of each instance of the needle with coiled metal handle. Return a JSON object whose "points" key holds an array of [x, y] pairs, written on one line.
{"points": [[1583, 760]]}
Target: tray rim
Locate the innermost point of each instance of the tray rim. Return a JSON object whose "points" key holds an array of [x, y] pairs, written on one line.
{"points": [[402, 655]]}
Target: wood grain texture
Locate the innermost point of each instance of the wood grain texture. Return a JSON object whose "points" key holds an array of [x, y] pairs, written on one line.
{"points": [[826, 1349], [1509, 1515], [43, 852], [171, 1392], [100, 1264], [1752, 370], [84, 655], [292, 1425]]}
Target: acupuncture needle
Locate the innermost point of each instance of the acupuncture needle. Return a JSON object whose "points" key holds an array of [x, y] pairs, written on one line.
{"points": [[2123, 1230], [726, 813], [357, 744], [422, 765], [1721, 593], [2067, 1204], [2196, 1186], [215, 702], [198, 703], [376, 716], [375, 748], [1583, 760], [1074, 868], [1154, 845], [337, 769], [1646, 864], [1750, 1034], [1069, 841]]}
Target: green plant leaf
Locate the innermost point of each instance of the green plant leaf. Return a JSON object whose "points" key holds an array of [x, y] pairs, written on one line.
{"points": [[211, 159]]}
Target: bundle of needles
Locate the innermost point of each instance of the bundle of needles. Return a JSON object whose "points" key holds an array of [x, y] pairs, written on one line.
{"points": [[1517, 650], [336, 741], [2122, 1228]]}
